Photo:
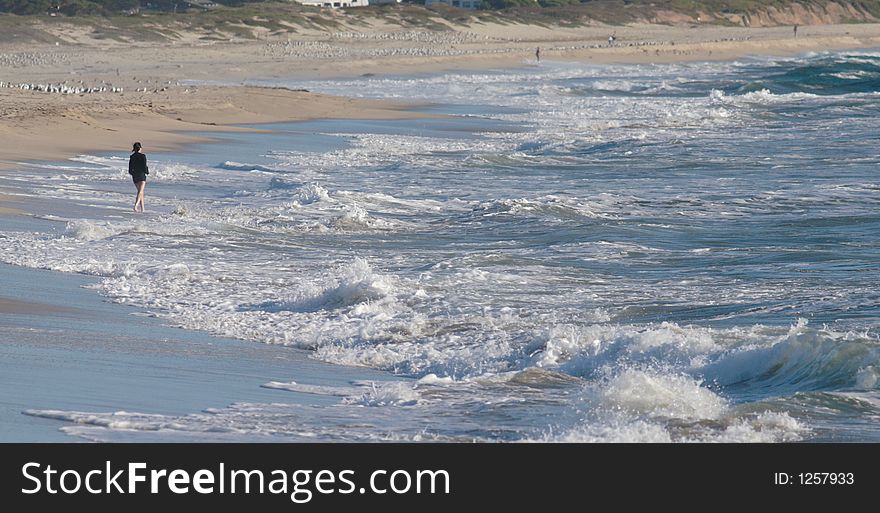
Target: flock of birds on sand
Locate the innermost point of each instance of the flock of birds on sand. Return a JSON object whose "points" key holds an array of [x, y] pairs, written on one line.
{"points": [[62, 88], [37, 59], [31, 59], [435, 45], [78, 88]]}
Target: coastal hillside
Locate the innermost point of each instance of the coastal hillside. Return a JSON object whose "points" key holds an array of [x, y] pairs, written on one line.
{"points": [[84, 21]]}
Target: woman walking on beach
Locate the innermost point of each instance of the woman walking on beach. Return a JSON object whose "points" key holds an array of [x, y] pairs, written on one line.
{"points": [[137, 168]]}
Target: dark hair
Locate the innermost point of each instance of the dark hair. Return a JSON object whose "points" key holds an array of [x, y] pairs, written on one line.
{"points": [[135, 147]]}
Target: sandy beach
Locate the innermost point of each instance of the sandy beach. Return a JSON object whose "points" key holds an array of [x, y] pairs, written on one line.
{"points": [[6, 208], [47, 126], [15, 306], [90, 95]]}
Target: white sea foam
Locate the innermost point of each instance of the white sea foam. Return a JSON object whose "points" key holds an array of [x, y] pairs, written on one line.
{"points": [[354, 284], [614, 85], [583, 350], [615, 432], [89, 230], [868, 377], [120, 420], [764, 96], [311, 193], [249, 422], [657, 395], [172, 172], [766, 427], [355, 217], [854, 75], [801, 359], [433, 379], [552, 207], [238, 166], [114, 169], [305, 388], [386, 394]]}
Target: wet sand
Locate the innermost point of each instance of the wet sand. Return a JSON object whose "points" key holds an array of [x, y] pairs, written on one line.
{"points": [[63, 347]]}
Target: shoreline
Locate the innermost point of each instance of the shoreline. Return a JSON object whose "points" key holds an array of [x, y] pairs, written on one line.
{"points": [[156, 109], [56, 357], [62, 127]]}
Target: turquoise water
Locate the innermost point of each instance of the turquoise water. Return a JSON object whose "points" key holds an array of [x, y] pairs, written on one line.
{"points": [[682, 252]]}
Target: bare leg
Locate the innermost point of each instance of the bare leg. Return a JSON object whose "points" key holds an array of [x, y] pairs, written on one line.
{"points": [[139, 199], [141, 187]]}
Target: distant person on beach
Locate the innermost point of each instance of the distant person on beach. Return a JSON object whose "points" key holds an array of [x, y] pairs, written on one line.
{"points": [[538, 54], [137, 168], [795, 31]]}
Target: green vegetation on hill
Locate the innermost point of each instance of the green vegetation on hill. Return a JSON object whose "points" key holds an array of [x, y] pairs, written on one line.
{"points": [[103, 7], [596, 9], [248, 19], [68, 7]]}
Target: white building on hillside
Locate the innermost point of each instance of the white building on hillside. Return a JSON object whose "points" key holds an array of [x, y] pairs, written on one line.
{"points": [[462, 4], [335, 3]]}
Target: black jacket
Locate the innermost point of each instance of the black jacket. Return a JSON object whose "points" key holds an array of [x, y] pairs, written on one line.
{"points": [[137, 166]]}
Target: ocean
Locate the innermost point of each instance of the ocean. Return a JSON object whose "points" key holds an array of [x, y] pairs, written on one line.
{"points": [[569, 252]]}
